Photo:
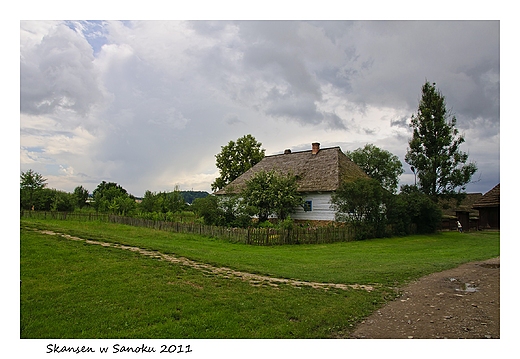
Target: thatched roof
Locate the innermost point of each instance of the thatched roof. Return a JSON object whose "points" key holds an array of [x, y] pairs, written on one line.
{"points": [[450, 207], [490, 199], [320, 172]]}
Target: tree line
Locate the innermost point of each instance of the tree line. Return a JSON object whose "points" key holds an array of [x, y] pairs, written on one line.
{"points": [[108, 197], [372, 205]]}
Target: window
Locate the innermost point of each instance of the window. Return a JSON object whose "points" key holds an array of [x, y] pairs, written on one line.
{"points": [[307, 206]]}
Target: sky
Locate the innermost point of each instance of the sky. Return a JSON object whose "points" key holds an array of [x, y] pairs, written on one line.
{"points": [[148, 104]]}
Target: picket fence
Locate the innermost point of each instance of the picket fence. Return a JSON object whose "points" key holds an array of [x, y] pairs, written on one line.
{"points": [[253, 236]]}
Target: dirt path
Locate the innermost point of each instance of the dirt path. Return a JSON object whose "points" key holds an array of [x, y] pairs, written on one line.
{"points": [[253, 279], [463, 302]]}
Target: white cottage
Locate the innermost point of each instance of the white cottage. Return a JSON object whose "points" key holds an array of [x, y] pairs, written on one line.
{"points": [[319, 172]]}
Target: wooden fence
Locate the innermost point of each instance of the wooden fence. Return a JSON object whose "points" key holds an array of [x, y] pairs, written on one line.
{"points": [[87, 217], [253, 236], [256, 236]]}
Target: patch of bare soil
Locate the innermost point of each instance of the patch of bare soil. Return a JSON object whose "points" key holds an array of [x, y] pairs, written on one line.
{"points": [[463, 302]]}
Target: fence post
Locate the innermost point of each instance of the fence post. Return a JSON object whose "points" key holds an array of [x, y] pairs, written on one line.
{"points": [[249, 235]]}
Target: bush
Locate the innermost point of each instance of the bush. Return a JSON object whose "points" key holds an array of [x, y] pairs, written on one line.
{"points": [[271, 193], [225, 212], [208, 209], [53, 200], [412, 207], [363, 204], [374, 212]]}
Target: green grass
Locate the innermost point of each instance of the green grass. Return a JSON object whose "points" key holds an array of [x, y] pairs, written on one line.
{"points": [[75, 290]]}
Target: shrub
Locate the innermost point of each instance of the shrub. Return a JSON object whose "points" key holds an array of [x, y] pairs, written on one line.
{"points": [[412, 206], [363, 204], [226, 212]]}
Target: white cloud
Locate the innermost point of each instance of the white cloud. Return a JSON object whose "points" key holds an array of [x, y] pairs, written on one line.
{"points": [[58, 74], [148, 104]]}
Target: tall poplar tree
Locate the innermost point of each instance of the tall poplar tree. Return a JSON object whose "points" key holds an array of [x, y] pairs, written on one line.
{"points": [[434, 148]]}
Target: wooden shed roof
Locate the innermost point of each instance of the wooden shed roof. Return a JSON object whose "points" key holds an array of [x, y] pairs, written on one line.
{"points": [[320, 172], [490, 199], [451, 207]]}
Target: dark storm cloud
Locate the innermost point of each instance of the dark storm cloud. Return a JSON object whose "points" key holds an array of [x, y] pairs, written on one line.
{"points": [[161, 97], [281, 57], [402, 122]]}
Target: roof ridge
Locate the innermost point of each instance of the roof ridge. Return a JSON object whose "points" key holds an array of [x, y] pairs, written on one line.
{"points": [[303, 151], [324, 171], [490, 198]]}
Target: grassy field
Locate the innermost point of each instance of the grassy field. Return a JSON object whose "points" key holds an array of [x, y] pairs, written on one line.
{"points": [[71, 289]]}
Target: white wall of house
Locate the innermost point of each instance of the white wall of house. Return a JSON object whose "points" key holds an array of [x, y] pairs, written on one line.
{"points": [[320, 209]]}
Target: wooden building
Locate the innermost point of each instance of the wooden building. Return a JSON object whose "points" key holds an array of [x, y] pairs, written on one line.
{"points": [[463, 211], [489, 209], [319, 173]]}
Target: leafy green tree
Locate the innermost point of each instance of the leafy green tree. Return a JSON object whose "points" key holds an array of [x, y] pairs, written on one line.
{"points": [[149, 203], [378, 164], [285, 196], [269, 193], [50, 199], [112, 206], [410, 208], [80, 196], [208, 209], [236, 158], [434, 148], [363, 204], [226, 212], [234, 212], [31, 185], [174, 201], [125, 205], [62, 201], [43, 201], [111, 197], [163, 202]]}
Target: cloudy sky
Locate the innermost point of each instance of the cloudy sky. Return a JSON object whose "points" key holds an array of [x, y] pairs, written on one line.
{"points": [[148, 104]]}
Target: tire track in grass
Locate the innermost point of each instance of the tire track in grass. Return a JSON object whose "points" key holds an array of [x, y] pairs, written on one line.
{"points": [[253, 279]]}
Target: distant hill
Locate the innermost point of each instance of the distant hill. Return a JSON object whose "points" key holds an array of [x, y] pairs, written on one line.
{"points": [[190, 196]]}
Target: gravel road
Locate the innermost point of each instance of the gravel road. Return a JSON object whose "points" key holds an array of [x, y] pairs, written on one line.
{"points": [[463, 302]]}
